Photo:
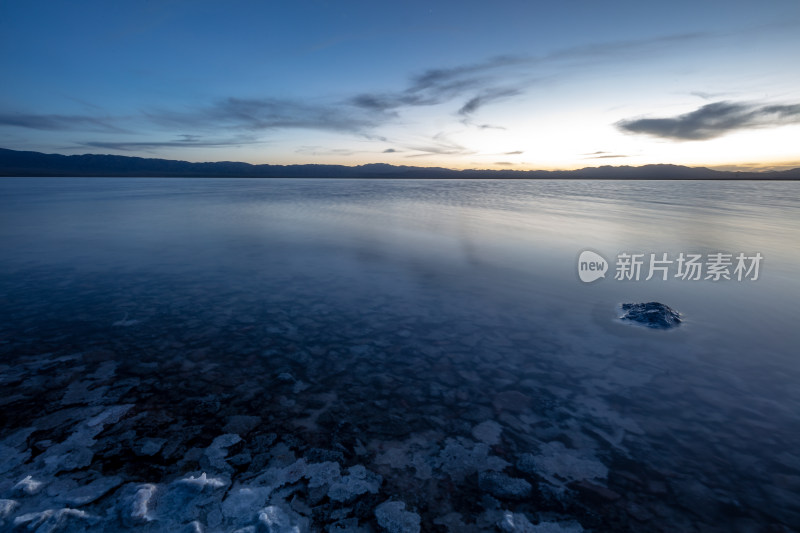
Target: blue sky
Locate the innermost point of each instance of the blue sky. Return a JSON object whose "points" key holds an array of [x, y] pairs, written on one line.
{"points": [[455, 84]]}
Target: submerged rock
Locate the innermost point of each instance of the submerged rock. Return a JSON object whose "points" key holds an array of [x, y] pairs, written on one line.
{"points": [[651, 314], [56, 520], [139, 509], [27, 487], [559, 465], [393, 518], [7, 507], [518, 523], [358, 481], [77, 495], [488, 432], [277, 520], [503, 486], [460, 459]]}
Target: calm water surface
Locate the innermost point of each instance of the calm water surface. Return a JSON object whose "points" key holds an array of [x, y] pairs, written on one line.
{"points": [[398, 324]]}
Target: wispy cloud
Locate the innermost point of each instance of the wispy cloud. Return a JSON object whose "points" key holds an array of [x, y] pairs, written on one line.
{"points": [[54, 122], [442, 79], [266, 114], [602, 155], [485, 97], [706, 95], [634, 48], [319, 150], [714, 120], [439, 144], [476, 82], [469, 122], [186, 141]]}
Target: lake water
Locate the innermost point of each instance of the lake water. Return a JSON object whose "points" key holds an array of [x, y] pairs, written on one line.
{"points": [[318, 348]]}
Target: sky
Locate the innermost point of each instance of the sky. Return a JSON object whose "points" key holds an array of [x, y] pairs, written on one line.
{"points": [[498, 85]]}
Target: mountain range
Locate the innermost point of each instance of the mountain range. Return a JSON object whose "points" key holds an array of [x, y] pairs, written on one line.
{"points": [[28, 164]]}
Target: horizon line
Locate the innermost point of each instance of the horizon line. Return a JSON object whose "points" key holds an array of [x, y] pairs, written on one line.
{"points": [[731, 168]]}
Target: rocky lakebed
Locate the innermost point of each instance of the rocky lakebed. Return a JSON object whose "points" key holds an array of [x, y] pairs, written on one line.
{"points": [[149, 404]]}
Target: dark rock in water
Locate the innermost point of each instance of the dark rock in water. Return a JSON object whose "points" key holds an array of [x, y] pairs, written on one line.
{"points": [[652, 314]]}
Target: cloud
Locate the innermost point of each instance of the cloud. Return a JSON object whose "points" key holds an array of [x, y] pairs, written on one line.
{"points": [[706, 96], [318, 150], [439, 144], [486, 97], [714, 120], [378, 102], [484, 126], [440, 85], [259, 114], [57, 122], [389, 151], [636, 48], [504, 163], [515, 152], [187, 141], [602, 155], [446, 79]]}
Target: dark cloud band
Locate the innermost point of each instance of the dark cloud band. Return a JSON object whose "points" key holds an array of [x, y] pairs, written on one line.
{"points": [[714, 120], [52, 122], [127, 146], [266, 114]]}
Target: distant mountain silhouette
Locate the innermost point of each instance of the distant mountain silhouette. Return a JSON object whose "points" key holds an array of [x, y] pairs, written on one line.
{"points": [[24, 164]]}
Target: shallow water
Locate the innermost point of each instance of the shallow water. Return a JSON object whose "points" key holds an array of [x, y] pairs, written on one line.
{"points": [[435, 332]]}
